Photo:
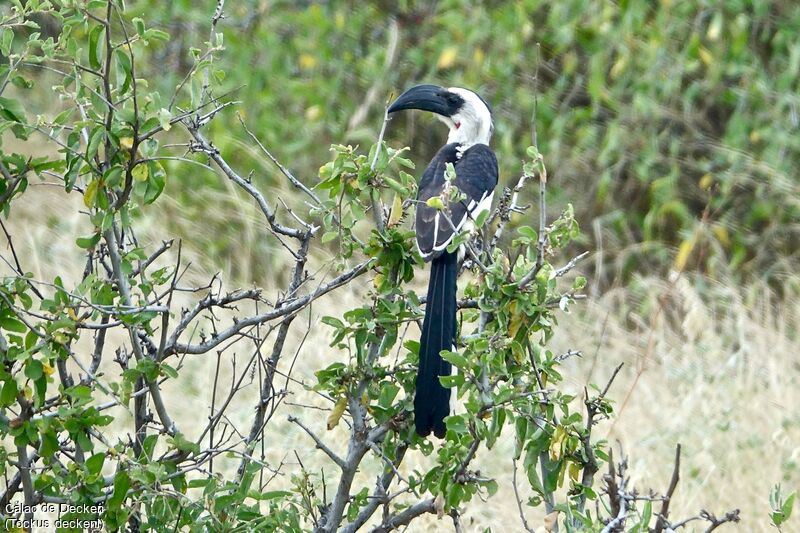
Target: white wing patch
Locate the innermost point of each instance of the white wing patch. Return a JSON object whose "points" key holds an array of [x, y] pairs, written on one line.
{"points": [[474, 209]]}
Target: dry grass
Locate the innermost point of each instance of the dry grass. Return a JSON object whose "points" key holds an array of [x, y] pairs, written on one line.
{"points": [[707, 364]]}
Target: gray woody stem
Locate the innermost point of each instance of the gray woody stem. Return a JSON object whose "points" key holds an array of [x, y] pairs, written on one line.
{"points": [[110, 236]]}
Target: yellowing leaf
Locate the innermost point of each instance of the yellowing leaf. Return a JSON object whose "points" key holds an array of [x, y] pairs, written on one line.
{"points": [[336, 414], [140, 173], [339, 20], [435, 202], [164, 117], [570, 62], [721, 232], [715, 27], [706, 181], [447, 57], [71, 313], [556, 444], [126, 142], [307, 61], [684, 251], [527, 30], [47, 369], [618, 67], [705, 55], [397, 211], [313, 112], [90, 194], [515, 322], [550, 521], [574, 470], [438, 505]]}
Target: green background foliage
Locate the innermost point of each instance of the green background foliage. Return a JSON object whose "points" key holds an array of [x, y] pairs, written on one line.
{"points": [[674, 123], [670, 126]]}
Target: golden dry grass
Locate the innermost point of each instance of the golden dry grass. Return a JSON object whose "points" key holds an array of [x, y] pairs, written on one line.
{"points": [[707, 364]]}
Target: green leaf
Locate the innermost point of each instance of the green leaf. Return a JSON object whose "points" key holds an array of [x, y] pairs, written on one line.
{"points": [[9, 393], [156, 181], [89, 241], [787, 506], [169, 371], [646, 515], [123, 61], [94, 46], [49, 444], [12, 110], [333, 322], [185, 445], [95, 139], [34, 369], [84, 441], [271, 495], [94, 464], [12, 324], [457, 359], [63, 117], [456, 423], [456, 380], [139, 25], [528, 232], [482, 216], [157, 35], [122, 482], [6, 37], [396, 186], [491, 487]]}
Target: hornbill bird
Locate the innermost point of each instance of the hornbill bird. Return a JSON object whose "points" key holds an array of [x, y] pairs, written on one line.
{"points": [[469, 119]]}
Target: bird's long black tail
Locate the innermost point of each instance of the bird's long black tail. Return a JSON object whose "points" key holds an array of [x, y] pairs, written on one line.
{"points": [[432, 400]]}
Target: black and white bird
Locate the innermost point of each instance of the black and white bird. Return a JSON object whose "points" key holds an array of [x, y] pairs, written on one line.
{"points": [[469, 119]]}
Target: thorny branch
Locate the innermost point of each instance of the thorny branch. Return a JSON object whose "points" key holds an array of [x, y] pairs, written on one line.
{"points": [[622, 499]]}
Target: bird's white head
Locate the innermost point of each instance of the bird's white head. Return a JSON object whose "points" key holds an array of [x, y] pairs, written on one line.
{"points": [[472, 123], [465, 113]]}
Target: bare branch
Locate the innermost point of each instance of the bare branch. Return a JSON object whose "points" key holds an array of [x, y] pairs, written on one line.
{"points": [[404, 517], [125, 294], [206, 147], [321, 445], [285, 171], [286, 309], [663, 515], [517, 497]]}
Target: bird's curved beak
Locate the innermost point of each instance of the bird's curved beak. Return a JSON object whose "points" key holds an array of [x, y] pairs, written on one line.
{"points": [[425, 97]]}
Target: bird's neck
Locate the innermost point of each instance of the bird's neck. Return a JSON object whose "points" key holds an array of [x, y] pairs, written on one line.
{"points": [[469, 133]]}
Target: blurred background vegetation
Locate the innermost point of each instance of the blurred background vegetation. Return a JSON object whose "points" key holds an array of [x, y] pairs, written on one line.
{"points": [[672, 126]]}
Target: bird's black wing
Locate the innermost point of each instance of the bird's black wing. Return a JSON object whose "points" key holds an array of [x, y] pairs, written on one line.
{"points": [[476, 177]]}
